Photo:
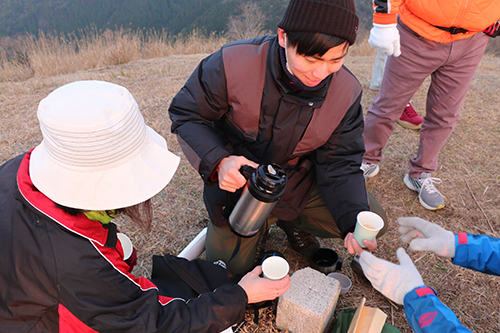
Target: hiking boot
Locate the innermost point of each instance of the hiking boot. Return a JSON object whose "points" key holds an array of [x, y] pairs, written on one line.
{"points": [[300, 241], [428, 195], [410, 119], [369, 169]]}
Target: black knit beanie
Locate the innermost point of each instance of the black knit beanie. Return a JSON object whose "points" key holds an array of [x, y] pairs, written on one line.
{"points": [[331, 17]]}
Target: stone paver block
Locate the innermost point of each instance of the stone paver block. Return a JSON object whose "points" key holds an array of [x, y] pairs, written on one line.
{"points": [[309, 304]]}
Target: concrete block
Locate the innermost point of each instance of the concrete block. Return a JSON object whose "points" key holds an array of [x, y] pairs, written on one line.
{"points": [[309, 304]]}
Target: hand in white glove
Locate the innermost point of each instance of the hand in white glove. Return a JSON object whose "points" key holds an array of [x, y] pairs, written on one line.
{"points": [[385, 39], [393, 281], [427, 236]]}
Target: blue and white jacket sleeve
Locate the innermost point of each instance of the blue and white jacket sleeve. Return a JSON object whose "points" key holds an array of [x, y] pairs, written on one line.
{"points": [[425, 313], [478, 252]]}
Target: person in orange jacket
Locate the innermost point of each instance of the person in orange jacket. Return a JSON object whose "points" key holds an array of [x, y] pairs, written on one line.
{"points": [[425, 38], [409, 118]]}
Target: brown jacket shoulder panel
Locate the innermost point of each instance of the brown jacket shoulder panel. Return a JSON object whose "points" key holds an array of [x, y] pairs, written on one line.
{"points": [[245, 86], [343, 91]]}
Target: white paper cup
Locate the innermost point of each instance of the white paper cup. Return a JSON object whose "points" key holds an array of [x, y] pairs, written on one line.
{"points": [[126, 245], [275, 268], [368, 225]]}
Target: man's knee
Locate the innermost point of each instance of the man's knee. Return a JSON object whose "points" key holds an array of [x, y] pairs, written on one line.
{"points": [[238, 253], [376, 208]]}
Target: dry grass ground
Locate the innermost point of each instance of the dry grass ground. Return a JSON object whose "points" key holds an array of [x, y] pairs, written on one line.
{"points": [[469, 168], [29, 56]]}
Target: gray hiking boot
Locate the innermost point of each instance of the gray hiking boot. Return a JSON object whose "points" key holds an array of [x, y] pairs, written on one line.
{"points": [[428, 195], [369, 169], [300, 241]]}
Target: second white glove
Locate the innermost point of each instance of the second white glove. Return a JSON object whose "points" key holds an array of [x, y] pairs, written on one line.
{"points": [[393, 281], [427, 236], [385, 39]]}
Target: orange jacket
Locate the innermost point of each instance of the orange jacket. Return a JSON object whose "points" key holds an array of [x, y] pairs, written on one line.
{"points": [[422, 16]]}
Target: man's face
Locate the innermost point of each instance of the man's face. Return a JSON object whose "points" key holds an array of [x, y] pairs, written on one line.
{"points": [[311, 70]]}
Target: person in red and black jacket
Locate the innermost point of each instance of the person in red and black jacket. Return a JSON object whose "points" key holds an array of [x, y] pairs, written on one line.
{"points": [[63, 267]]}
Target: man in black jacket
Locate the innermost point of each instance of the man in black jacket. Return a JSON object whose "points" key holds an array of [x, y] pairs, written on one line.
{"points": [[286, 99]]}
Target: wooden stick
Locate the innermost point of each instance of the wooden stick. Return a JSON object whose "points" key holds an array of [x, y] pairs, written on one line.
{"points": [[482, 211], [392, 316]]}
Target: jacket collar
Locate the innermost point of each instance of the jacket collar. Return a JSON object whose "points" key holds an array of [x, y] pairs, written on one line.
{"points": [[289, 82], [79, 224], [294, 81]]}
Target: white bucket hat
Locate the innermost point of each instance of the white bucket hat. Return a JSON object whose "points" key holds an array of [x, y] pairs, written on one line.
{"points": [[97, 153]]}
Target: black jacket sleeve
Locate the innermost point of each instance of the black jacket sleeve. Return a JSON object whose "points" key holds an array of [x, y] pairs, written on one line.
{"points": [[201, 101], [338, 171], [108, 301], [67, 281]]}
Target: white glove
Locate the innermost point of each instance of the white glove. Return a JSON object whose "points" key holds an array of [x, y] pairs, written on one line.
{"points": [[385, 39], [428, 236], [393, 281]]}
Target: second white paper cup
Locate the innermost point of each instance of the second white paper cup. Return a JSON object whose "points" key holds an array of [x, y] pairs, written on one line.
{"points": [[368, 225], [126, 245], [275, 268]]}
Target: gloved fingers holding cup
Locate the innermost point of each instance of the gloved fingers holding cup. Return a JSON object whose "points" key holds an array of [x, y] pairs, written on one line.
{"points": [[427, 236]]}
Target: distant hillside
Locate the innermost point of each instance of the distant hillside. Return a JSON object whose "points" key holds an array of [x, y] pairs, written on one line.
{"points": [[175, 16], [69, 16]]}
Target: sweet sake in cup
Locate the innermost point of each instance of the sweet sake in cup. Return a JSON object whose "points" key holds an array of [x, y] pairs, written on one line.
{"points": [[368, 225], [326, 260]]}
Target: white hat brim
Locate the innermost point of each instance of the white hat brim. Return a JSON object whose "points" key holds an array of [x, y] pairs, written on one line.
{"points": [[124, 185]]}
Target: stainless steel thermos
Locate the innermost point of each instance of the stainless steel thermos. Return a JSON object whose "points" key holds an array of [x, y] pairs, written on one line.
{"points": [[264, 187]]}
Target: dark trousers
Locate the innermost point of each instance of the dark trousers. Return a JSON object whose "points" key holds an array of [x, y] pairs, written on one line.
{"points": [[314, 219]]}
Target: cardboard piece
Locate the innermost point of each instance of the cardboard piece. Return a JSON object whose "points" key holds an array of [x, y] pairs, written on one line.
{"points": [[367, 319]]}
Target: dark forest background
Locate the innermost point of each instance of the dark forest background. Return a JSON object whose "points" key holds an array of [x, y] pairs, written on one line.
{"points": [[19, 17]]}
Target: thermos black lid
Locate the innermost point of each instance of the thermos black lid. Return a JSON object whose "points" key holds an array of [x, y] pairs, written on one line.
{"points": [[268, 182]]}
